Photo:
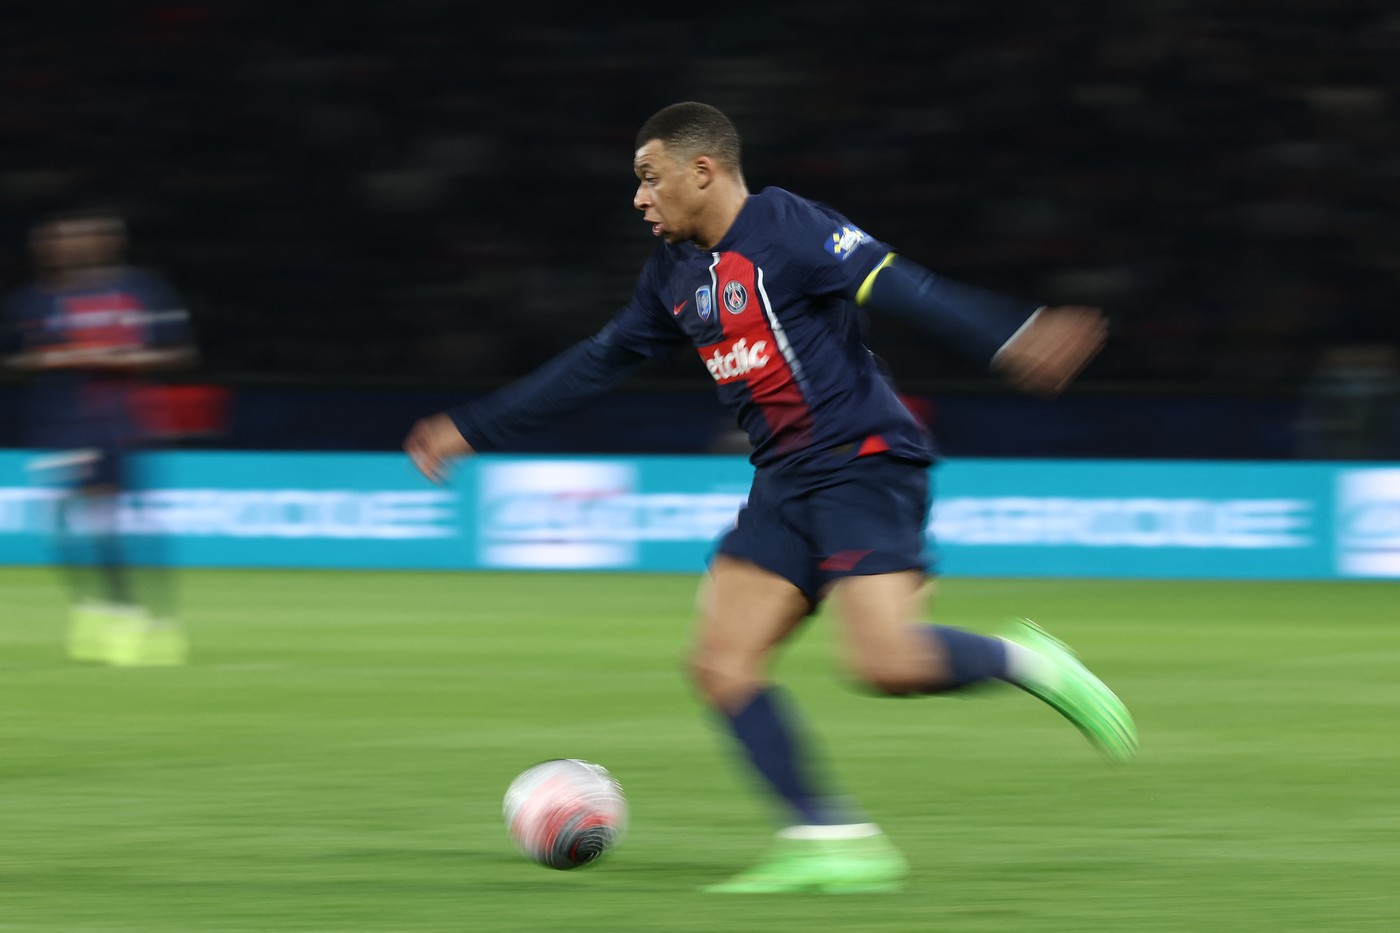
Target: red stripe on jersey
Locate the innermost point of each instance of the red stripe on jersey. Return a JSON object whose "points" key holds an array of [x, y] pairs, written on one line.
{"points": [[750, 351], [102, 321]]}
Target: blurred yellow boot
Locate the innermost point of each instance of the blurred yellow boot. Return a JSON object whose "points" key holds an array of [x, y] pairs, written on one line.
{"points": [[87, 632], [137, 640]]}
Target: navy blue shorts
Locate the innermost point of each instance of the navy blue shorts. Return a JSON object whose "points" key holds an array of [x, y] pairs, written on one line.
{"points": [[866, 517]]}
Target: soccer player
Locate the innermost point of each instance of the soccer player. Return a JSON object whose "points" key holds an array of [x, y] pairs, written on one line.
{"points": [[87, 329], [770, 289]]}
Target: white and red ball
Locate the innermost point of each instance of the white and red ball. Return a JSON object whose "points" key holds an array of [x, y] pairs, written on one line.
{"points": [[565, 812]]}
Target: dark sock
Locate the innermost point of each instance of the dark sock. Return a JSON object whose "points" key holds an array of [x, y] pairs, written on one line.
{"points": [[74, 546], [774, 748], [972, 658], [113, 567]]}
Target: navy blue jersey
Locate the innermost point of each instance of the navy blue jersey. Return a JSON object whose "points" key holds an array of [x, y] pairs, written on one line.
{"points": [[127, 310], [771, 311]]}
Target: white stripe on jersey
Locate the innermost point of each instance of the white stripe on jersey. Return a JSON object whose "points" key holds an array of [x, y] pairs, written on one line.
{"points": [[780, 335]]}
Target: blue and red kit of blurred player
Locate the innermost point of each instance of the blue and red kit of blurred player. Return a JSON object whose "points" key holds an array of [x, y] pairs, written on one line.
{"points": [[89, 406], [87, 332]]}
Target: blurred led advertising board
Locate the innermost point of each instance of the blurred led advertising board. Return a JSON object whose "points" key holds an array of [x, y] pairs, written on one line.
{"points": [[1037, 518], [254, 510]]}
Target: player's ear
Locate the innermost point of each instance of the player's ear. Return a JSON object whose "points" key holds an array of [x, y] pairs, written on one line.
{"points": [[704, 170]]}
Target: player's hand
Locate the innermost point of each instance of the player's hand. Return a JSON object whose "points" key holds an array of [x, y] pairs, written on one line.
{"points": [[433, 443], [1053, 348]]}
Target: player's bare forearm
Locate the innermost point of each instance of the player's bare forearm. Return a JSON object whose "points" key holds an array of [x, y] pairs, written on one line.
{"points": [[1053, 347], [104, 358], [433, 443], [66, 358], [161, 359]]}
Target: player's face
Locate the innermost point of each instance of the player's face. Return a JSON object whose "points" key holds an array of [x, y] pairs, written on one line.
{"points": [[667, 193], [75, 245]]}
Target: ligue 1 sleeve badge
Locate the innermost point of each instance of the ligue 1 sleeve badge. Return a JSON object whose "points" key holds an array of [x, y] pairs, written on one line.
{"points": [[736, 297], [704, 302]]}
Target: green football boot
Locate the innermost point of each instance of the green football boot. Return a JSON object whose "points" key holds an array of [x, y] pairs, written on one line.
{"points": [[864, 863], [1066, 684]]}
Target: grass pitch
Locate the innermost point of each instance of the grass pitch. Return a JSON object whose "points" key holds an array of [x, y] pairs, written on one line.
{"points": [[334, 758]]}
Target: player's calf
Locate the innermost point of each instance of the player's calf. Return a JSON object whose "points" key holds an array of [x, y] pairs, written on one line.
{"points": [[929, 659]]}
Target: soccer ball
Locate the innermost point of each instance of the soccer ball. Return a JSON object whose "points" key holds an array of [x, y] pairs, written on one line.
{"points": [[565, 812]]}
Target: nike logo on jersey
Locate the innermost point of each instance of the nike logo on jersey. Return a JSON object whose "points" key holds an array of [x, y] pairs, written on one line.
{"points": [[677, 309]]}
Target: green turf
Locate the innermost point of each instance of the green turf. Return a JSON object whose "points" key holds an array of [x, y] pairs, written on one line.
{"points": [[334, 758]]}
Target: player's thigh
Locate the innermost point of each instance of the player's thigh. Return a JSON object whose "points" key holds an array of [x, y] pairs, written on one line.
{"points": [[874, 522], [745, 611], [885, 647]]}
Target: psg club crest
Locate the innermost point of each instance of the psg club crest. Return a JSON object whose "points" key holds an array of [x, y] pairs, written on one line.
{"points": [[736, 297], [704, 303]]}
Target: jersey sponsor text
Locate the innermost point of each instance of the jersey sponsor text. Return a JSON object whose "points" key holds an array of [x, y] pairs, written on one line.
{"points": [[733, 361]]}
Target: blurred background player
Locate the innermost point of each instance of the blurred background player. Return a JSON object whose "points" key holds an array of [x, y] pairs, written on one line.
{"points": [[88, 329], [769, 289]]}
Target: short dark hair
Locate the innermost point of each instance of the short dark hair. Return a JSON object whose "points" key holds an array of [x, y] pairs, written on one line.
{"points": [[691, 128]]}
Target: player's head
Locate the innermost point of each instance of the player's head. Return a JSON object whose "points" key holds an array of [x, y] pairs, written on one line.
{"points": [[78, 239], [688, 165]]}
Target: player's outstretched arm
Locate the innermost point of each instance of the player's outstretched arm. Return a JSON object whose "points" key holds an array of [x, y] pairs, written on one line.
{"points": [[59, 358], [1051, 348], [433, 443], [111, 359], [1039, 350], [558, 388], [155, 358]]}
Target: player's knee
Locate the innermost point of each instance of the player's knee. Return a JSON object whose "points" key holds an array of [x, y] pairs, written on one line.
{"points": [[710, 670], [723, 677]]}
